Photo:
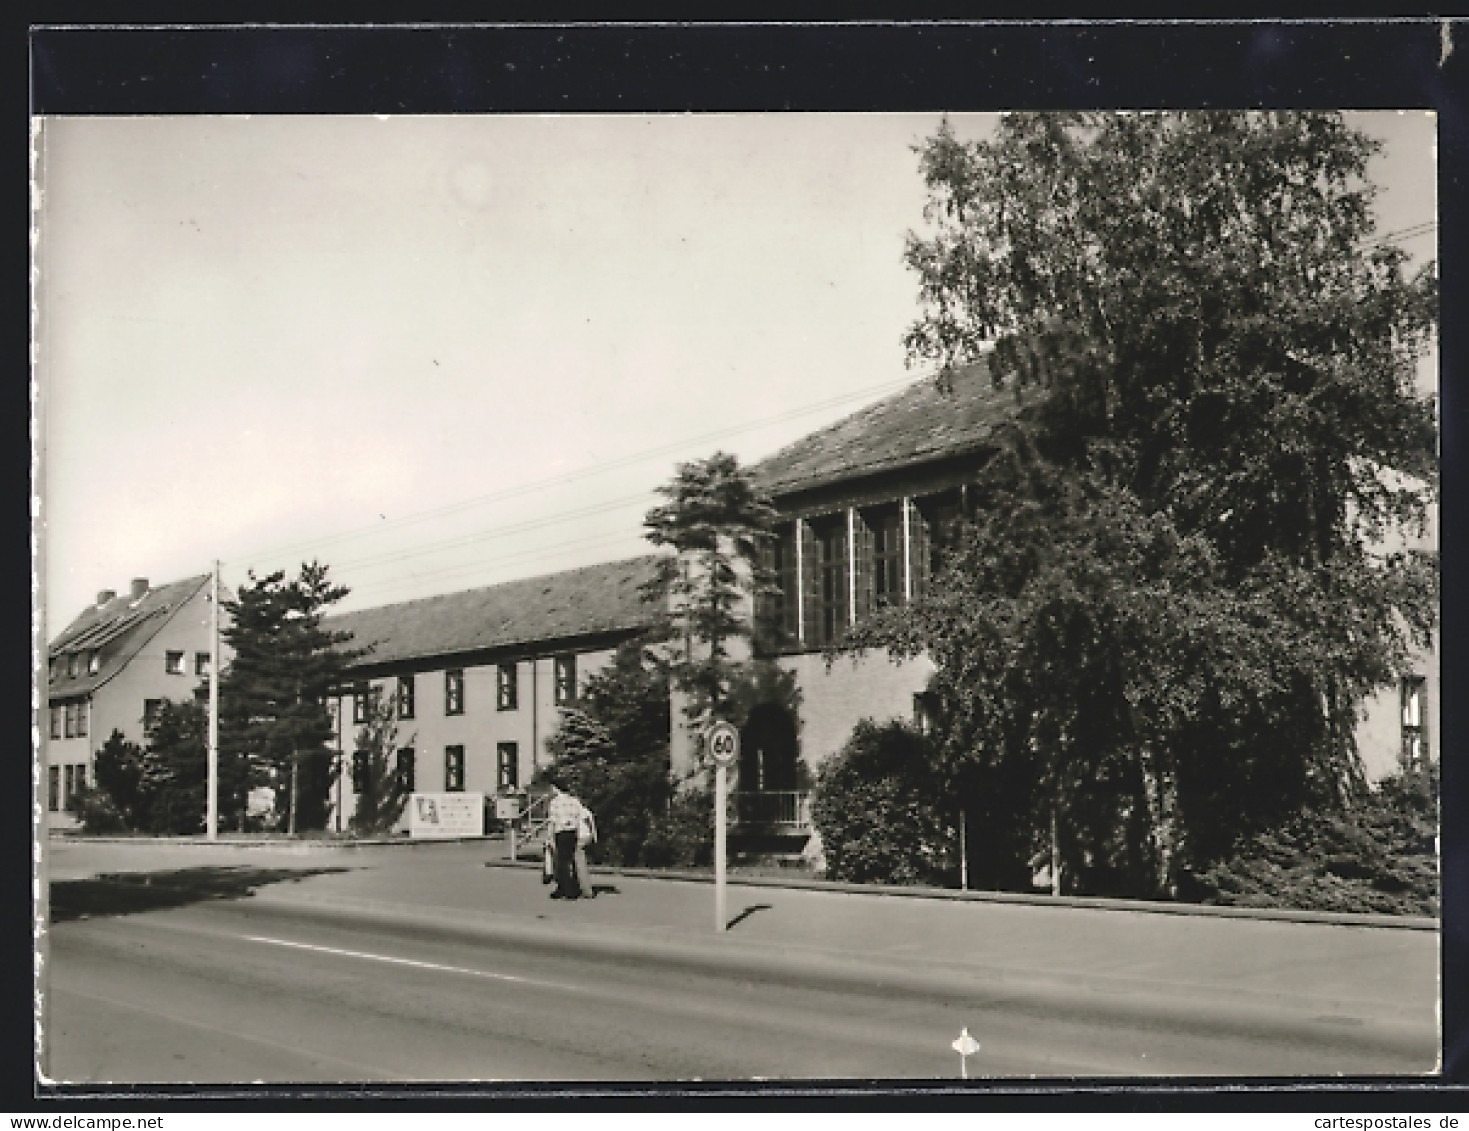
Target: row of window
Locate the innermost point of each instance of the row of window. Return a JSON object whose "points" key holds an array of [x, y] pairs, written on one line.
{"points": [[69, 720], [507, 693], [73, 663], [831, 570], [76, 781], [173, 663], [507, 768]]}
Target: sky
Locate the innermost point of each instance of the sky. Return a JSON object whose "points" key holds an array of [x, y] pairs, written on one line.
{"points": [[443, 352]]}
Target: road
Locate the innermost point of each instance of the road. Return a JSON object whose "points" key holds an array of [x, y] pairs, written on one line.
{"points": [[426, 965]]}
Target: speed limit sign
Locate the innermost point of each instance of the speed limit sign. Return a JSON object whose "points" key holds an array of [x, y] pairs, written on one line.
{"points": [[723, 743]]}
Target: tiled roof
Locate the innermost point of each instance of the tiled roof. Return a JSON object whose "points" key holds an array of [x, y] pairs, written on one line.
{"points": [[556, 606], [116, 631], [916, 425]]}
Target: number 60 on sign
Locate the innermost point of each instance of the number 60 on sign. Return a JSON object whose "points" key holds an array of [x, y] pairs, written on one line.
{"points": [[723, 743]]}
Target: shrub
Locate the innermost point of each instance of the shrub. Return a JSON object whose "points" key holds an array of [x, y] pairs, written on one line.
{"points": [[878, 809], [683, 837], [1379, 855], [98, 812], [117, 773]]}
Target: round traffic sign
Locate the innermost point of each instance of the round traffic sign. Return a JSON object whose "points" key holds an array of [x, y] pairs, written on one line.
{"points": [[723, 743]]}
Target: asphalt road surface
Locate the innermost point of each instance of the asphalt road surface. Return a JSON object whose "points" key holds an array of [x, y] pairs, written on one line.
{"points": [[425, 965]]}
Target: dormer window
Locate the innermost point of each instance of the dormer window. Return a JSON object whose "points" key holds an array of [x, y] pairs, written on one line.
{"points": [[72, 661], [94, 662]]}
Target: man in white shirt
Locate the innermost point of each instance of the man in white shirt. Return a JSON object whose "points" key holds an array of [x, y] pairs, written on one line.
{"points": [[564, 825]]}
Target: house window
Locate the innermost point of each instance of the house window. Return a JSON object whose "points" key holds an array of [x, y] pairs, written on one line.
{"points": [[454, 692], [360, 696], [71, 720], [70, 788], [506, 692], [405, 697], [453, 769], [565, 680], [1415, 722], [507, 756], [94, 662], [71, 665], [405, 769], [53, 788], [925, 711], [151, 707], [361, 771], [943, 516], [201, 663], [83, 710], [173, 663], [887, 557], [80, 784], [780, 616], [829, 607], [56, 721]]}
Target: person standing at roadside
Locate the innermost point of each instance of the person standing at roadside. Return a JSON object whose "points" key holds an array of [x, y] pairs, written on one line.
{"points": [[586, 835], [563, 825]]}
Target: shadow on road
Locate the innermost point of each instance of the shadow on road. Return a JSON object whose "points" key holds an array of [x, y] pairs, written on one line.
{"points": [[745, 914], [127, 893]]}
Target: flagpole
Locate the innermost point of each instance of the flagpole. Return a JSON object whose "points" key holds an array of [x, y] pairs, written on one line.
{"points": [[212, 816]]}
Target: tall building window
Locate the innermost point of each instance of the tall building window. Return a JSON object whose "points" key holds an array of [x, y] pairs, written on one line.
{"points": [[361, 696], [201, 663], [454, 692], [405, 769], [53, 788], [887, 556], [453, 769], [565, 680], [506, 692], [829, 590], [1415, 722], [56, 721], [405, 697], [173, 663], [507, 756]]}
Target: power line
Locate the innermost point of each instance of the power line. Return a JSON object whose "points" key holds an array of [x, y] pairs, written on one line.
{"points": [[581, 473]]}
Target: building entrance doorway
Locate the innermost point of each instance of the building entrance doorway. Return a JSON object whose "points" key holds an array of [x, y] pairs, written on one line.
{"points": [[767, 789]]}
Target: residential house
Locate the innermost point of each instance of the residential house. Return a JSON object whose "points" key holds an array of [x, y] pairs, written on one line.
{"points": [[111, 668], [480, 678]]}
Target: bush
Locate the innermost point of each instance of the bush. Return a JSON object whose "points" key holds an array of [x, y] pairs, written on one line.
{"points": [[1379, 855], [878, 809], [98, 813], [683, 837]]}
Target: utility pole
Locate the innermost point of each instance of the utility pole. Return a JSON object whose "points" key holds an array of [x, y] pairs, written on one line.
{"points": [[212, 824]]}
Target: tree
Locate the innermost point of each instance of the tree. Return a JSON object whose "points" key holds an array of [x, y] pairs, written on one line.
{"points": [[1175, 589], [717, 521], [117, 771], [382, 790], [612, 752], [273, 712], [175, 768]]}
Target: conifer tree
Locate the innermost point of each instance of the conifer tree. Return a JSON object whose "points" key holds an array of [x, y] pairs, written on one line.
{"points": [[273, 695]]}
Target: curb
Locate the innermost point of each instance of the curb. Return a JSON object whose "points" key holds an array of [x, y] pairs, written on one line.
{"points": [[1095, 903]]}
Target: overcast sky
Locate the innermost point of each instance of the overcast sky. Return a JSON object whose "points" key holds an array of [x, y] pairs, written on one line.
{"points": [[442, 352]]}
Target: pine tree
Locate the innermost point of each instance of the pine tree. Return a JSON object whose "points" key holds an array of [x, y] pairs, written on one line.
{"points": [[273, 711]]}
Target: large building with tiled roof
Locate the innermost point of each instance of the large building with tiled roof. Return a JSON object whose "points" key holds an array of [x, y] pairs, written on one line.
{"points": [[111, 667], [480, 677]]}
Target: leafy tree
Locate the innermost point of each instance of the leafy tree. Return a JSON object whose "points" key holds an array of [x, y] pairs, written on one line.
{"points": [[175, 769], [273, 711], [612, 753], [382, 792], [1173, 593], [881, 811], [717, 521]]}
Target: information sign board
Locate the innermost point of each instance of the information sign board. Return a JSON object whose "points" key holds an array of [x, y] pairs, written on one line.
{"points": [[444, 816]]}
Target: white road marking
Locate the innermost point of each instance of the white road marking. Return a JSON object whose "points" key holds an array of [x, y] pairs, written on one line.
{"points": [[394, 960]]}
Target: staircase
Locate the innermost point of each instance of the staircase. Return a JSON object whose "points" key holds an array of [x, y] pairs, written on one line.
{"points": [[532, 824]]}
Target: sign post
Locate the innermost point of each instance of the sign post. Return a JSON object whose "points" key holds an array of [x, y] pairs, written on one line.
{"points": [[723, 744]]}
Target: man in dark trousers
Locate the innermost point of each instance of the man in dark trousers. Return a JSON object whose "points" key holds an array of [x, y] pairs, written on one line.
{"points": [[564, 818]]}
